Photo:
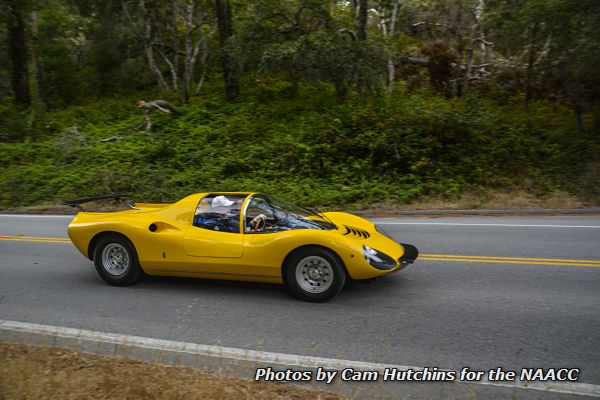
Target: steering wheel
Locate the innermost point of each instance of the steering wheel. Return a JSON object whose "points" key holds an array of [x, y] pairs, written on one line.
{"points": [[258, 223]]}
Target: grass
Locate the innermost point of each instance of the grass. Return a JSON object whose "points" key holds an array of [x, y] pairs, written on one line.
{"points": [[31, 372], [492, 200]]}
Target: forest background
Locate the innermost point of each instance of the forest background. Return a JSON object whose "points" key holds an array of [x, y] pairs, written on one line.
{"points": [[353, 104]]}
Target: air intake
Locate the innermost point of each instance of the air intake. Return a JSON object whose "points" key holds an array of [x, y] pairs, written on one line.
{"points": [[357, 232]]}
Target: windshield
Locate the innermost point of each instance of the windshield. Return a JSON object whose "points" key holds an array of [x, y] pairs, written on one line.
{"points": [[279, 215]]}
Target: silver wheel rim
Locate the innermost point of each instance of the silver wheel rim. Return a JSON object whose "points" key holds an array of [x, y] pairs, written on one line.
{"points": [[314, 274], [115, 259]]}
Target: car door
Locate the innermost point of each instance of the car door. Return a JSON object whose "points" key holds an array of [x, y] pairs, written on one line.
{"points": [[216, 231], [262, 248]]}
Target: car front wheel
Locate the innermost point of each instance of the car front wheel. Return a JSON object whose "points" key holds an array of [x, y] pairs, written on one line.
{"points": [[314, 274], [116, 261]]}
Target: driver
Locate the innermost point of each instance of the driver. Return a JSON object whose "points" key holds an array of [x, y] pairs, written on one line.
{"points": [[223, 215], [229, 214]]}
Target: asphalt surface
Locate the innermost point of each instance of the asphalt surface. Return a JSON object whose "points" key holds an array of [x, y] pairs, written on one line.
{"points": [[443, 314]]}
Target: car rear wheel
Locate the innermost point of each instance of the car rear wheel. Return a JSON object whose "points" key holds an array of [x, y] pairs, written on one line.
{"points": [[116, 260], [314, 274]]}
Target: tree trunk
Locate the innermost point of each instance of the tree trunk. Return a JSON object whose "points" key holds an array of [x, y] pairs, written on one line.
{"points": [[150, 56], [188, 64], [362, 20], [362, 38], [203, 74], [467, 76], [154, 68], [18, 49], [479, 13], [37, 71], [390, 63], [530, 63], [578, 111], [172, 67], [225, 32], [353, 7], [203, 59], [175, 43]]}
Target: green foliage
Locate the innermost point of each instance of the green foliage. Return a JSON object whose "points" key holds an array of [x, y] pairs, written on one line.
{"points": [[325, 57], [316, 152], [62, 48], [287, 134], [15, 122]]}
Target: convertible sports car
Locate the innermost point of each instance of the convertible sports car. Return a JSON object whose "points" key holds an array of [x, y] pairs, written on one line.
{"points": [[237, 236]]}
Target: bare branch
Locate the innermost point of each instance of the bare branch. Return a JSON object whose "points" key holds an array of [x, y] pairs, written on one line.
{"points": [[350, 32], [154, 68], [412, 61], [111, 139], [482, 40], [417, 24], [271, 16], [201, 81], [171, 67]]}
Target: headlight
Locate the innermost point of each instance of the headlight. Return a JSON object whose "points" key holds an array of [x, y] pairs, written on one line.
{"points": [[378, 259], [383, 232]]}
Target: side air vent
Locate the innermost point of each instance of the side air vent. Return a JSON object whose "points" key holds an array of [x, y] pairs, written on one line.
{"points": [[357, 232]]}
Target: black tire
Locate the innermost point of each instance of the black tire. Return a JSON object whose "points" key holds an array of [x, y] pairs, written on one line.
{"points": [[116, 260], [314, 274]]}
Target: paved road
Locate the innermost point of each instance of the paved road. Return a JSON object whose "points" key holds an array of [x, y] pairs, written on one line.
{"points": [[442, 313]]}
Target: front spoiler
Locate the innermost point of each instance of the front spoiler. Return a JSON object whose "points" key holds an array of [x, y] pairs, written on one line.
{"points": [[410, 255]]}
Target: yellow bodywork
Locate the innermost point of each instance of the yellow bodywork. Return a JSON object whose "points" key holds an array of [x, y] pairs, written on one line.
{"points": [[173, 246]]}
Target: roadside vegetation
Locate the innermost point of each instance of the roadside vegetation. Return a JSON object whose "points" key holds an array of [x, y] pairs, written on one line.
{"points": [[335, 104], [57, 373], [397, 150]]}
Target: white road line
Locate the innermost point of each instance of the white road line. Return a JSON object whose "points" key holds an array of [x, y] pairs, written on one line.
{"points": [[462, 224], [289, 360]]}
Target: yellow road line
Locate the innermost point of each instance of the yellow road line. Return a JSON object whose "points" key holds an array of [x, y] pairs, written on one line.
{"points": [[35, 239], [511, 258], [472, 260], [423, 257]]}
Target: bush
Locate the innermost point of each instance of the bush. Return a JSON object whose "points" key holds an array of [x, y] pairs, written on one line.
{"points": [[309, 149]]}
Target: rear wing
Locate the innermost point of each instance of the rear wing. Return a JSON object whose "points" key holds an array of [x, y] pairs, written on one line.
{"points": [[124, 198]]}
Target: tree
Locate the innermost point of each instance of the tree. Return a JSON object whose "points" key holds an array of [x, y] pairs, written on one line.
{"points": [[225, 33], [363, 14], [574, 52], [336, 58], [157, 27], [387, 13], [18, 49], [557, 43], [193, 50]]}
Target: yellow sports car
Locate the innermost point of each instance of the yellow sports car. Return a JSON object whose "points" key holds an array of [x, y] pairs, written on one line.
{"points": [[238, 236]]}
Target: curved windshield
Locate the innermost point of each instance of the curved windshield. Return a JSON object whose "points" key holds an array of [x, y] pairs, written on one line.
{"points": [[265, 215]]}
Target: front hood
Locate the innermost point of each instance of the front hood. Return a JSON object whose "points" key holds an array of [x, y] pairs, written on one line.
{"points": [[349, 224], [341, 219], [363, 231]]}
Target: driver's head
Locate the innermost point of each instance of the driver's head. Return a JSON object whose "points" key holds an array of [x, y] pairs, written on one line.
{"points": [[221, 201]]}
